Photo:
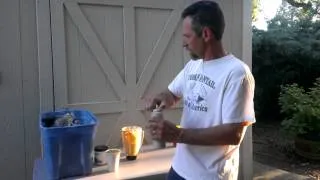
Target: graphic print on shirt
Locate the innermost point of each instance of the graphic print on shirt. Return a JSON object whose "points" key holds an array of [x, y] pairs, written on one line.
{"points": [[197, 96]]}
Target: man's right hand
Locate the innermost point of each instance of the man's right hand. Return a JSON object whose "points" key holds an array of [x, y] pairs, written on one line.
{"points": [[162, 100]]}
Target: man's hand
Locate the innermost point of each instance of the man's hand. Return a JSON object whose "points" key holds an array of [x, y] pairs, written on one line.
{"points": [[154, 102], [164, 130], [163, 100]]}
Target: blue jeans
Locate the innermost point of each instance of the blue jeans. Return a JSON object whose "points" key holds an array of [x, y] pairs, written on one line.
{"points": [[173, 175]]}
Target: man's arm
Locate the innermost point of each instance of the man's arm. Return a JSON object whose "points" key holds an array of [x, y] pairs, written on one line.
{"points": [[226, 134]]}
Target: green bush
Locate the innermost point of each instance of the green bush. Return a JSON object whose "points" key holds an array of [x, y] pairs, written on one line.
{"points": [[289, 52], [301, 108]]}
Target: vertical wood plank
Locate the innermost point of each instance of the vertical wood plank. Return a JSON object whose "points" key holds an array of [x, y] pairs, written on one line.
{"points": [[59, 53], [246, 150], [74, 61], [246, 32], [130, 56], [129, 47], [12, 143], [44, 55], [30, 81], [236, 27]]}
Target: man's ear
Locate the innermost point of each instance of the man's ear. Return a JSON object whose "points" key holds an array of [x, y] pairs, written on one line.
{"points": [[207, 34]]}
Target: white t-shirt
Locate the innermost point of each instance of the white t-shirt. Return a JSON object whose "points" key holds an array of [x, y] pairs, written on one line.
{"points": [[213, 92]]}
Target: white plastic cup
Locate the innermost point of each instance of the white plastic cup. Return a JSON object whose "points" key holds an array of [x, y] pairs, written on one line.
{"points": [[113, 159]]}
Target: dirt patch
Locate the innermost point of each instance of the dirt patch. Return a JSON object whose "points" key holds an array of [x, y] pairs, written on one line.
{"points": [[271, 147]]}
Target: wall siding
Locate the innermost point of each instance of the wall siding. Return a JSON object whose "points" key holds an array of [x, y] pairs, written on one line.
{"points": [[19, 95], [26, 83]]}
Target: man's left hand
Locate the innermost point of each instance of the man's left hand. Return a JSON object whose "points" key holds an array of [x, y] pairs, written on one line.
{"points": [[164, 130]]}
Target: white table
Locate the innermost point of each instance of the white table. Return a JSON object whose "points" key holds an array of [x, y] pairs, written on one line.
{"points": [[148, 163]]}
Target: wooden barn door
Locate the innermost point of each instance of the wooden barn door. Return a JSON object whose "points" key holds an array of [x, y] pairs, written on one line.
{"points": [[109, 53]]}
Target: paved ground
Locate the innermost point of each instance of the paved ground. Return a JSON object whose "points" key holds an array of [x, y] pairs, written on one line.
{"points": [[263, 172]]}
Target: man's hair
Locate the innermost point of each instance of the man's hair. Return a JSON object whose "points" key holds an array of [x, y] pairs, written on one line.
{"points": [[205, 14]]}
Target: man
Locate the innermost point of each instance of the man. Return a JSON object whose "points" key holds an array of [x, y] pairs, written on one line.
{"points": [[217, 92]]}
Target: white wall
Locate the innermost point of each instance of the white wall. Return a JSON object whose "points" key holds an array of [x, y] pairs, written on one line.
{"points": [[19, 97], [19, 80]]}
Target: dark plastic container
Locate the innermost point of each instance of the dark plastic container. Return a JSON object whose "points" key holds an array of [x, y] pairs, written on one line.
{"points": [[67, 151]]}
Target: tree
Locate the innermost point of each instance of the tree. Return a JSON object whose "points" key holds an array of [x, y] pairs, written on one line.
{"points": [[288, 52], [307, 8], [255, 10]]}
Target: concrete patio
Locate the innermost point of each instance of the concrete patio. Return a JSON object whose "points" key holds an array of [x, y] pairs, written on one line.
{"points": [[264, 172]]}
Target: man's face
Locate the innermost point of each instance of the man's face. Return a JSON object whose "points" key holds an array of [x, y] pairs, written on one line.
{"points": [[193, 43]]}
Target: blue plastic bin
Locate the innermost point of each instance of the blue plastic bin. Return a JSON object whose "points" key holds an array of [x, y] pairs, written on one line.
{"points": [[67, 151]]}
